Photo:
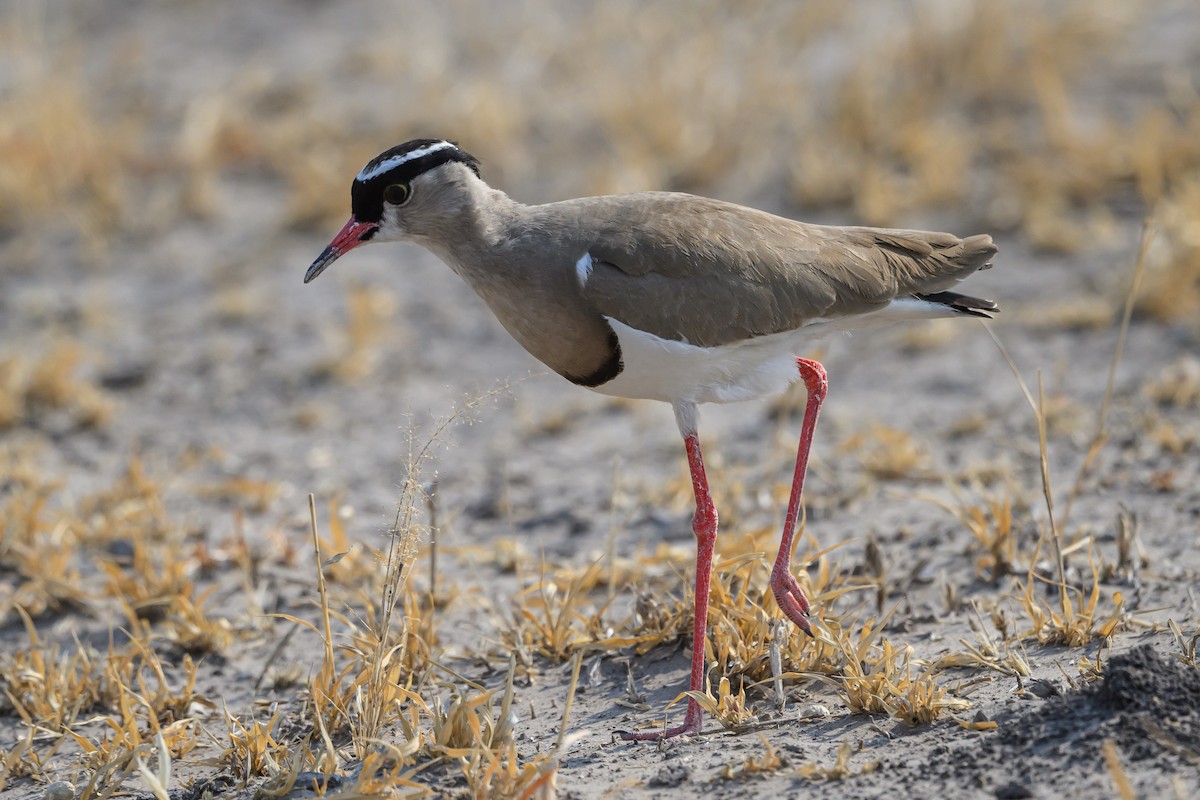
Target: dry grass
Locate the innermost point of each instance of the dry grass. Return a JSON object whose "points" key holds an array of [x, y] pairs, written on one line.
{"points": [[1188, 649], [128, 714], [991, 525], [1179, 384], [887, 454], [43, 542], [1171, 291], [557, 617], [1073, 615], [251, 494], [987, 652], [769, 762], [370, 325], [877, 677], [380, 678], [64, 159], [840, 768], [32, 390], [1112, 759], [106, 710], [48, 687], [380, 686]]}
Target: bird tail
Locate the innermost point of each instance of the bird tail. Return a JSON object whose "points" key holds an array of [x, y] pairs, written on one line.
{"points": [[961, 303]]}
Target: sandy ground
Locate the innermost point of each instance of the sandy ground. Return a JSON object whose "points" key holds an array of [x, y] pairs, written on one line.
{"points": [[217, 359]]}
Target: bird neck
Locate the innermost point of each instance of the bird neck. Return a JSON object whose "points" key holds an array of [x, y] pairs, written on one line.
{"points": [[478, 227], [523, 267]]}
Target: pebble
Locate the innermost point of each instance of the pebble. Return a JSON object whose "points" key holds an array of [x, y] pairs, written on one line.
{"points": [[814, 711], [60, 790]]}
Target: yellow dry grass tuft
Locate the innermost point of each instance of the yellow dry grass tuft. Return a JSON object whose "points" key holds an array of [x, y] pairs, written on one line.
{"points": [[31, 391], [1171, 290], [876, 677], [887, 454], [991, 522], [47, 687], [553, 620], [131, 509], [23, 760], [769, 762], [992, 527], [251, 749], [257, 496], [378, 687], [129, 692], [1073, 618], [988, 653], [1179, 384], [40, 550], [1189, 648], [370, 325], [61, 157], [730, 709], [840, 768]]}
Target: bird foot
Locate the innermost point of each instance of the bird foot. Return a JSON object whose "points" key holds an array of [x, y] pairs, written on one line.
{"points": [[791, 599], [690, 726]]}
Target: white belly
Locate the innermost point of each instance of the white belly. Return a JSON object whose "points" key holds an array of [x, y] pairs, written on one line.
{"points": [[663, 369]]}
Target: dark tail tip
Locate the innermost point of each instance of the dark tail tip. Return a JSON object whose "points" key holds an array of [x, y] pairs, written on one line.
{"points": [[963, 304]]}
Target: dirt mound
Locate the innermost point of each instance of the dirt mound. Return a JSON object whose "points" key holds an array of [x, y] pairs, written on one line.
{"points": [[1147, 704], [1157, 698]]}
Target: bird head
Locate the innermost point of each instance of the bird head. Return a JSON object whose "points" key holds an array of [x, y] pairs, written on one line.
{"points": [[402, 194]]}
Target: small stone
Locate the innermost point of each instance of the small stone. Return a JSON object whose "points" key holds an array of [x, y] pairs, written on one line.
{"points": [[60, 790], [814, 711]]}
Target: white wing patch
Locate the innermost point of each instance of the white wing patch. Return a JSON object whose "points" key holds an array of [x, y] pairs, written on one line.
{"points": [[404, 158], [583, 269]]}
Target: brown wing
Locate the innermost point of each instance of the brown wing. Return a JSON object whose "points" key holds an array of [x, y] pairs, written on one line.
{"points": [[711, 273]]}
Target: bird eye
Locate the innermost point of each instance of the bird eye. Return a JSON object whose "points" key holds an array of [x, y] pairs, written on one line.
{"points": [[397, 194]]}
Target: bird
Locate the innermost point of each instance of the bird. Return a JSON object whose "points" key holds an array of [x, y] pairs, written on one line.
{"points": [[665, 296]]}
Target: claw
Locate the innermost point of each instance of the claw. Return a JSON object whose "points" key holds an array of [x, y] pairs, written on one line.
{"points": [[791, 600]]}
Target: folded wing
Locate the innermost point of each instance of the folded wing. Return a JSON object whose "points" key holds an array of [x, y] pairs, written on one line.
{"points": [[710, 273]]}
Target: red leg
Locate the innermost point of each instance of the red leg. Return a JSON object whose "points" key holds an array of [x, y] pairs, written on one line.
{"points": [[788, 593], [704, 525]]}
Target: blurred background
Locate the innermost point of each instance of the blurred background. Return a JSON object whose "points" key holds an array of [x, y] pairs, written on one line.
{"points": [[167, 172], [129, 121]]}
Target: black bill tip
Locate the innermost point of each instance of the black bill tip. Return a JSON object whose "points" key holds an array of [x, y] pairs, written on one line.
{"points": [[327, 257]]}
